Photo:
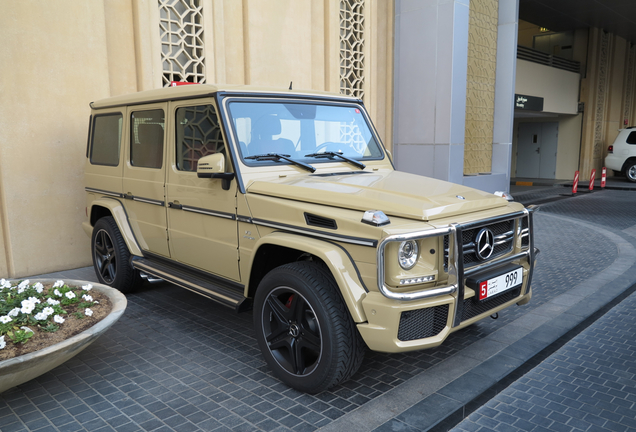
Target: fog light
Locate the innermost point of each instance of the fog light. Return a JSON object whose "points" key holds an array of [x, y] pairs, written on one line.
{"points": [[417, 280]]}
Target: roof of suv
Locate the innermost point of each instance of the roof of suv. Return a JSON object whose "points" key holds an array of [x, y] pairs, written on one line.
{"points": [[204, 90]]}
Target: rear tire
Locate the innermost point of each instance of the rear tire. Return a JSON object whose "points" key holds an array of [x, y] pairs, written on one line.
{"points": [[304, 329], [111, 258], [630, 171]]}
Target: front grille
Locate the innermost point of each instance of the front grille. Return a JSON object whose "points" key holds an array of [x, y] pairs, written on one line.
{"points": [[473, 308], [422, 323], [503, 233], [525, 232]]}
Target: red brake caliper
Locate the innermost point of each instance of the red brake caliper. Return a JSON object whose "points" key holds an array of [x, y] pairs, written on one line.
{"points": [[289, 301]]}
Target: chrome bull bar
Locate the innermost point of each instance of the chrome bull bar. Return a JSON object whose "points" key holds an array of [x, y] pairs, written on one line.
{"points": [[456, 272]]}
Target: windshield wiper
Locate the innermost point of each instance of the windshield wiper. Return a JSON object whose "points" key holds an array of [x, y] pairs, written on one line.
{"points": [[279, 156], [331, 154]]}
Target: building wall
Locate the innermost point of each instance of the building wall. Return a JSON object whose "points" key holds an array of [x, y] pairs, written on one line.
{"points": [[53, 63], [558, 88], [568, 143], [59, 56], [608, 93]]}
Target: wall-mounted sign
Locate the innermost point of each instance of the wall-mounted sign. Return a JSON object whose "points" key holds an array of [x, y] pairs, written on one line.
{"points": [[531, 103]]}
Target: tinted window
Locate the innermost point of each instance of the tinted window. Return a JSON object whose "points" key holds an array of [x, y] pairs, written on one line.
{"points": [[631, 138], [106, 140], [146, 138], [198, 135]]}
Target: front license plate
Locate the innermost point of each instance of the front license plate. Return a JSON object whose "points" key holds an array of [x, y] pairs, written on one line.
{"points": [[499, 284]]}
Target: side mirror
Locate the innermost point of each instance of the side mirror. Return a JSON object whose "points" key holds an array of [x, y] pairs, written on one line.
{"points": [[213, 166]]}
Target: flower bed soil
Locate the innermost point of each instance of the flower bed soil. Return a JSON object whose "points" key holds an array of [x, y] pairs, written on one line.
{"points": [[71, 326]]}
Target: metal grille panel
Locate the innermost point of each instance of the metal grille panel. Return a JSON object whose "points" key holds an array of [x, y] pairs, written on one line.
{"points": [[422, 323], [503, 230], [352, 48], [181, 31]]}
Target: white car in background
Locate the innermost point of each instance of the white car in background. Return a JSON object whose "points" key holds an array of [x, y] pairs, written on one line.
{"points": [[621, 155]]}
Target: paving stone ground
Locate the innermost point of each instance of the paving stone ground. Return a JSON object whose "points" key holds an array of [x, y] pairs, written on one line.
{"points": [[587, 385], [177, 361]]}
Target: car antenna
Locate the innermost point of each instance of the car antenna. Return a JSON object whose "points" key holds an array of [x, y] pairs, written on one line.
{"points": [[290, 85]]}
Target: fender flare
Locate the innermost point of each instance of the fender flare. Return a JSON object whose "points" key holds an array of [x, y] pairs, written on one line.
{"points": [[337, 259], [118, 212]]}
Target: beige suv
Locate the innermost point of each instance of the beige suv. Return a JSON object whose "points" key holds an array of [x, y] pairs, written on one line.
{"points": [[286, 203]]}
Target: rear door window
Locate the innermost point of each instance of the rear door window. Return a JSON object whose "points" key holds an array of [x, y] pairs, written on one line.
{"points": [[631, 138], [146, 138], [106, 139]]}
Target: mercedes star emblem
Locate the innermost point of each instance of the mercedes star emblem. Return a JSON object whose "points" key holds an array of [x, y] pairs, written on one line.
{"points": [[485, 243]]}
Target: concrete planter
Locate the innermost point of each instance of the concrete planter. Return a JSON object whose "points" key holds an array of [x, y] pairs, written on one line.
{"points": [[21, 369]]}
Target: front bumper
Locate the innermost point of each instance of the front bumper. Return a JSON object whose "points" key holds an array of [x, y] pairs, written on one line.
{"points": [[423, 319]]}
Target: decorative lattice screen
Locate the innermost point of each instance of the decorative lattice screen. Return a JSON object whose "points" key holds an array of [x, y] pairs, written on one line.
{"points": [[181, 29], [352, 47]]}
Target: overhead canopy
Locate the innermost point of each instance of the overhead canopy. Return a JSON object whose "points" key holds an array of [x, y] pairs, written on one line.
{"points": [[615, 16]]}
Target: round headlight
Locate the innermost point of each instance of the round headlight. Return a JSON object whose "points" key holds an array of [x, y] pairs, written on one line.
{"points": [[407, 254]]}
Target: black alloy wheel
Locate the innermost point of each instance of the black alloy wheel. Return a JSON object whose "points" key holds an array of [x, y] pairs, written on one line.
{"points": [[111, 258], [304, 329], [104, 256], [292, 331]]}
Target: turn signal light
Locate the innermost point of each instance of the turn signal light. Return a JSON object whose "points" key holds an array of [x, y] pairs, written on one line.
{"points": [[610, 149]]}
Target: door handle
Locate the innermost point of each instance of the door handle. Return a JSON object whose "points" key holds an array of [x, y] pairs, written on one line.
{"points": [[175, 205], [538, 150]]}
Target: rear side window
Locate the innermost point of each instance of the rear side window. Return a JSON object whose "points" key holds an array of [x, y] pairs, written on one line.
{"points": [[631, 138], [146, 138], [106, 139]]}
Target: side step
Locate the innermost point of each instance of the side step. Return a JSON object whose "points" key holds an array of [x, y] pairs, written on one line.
{"points": [[227, 293]]}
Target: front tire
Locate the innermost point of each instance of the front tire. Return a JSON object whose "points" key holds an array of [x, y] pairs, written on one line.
{"points": [[304, 329], [111, 258]]}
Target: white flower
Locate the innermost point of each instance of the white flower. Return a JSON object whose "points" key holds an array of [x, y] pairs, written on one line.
{"points": [[58, 284], [24, 284], [27, 307], [5, 319], [48, 311], [87, 298], [33, 300], [2, 342], [21, 289], [58, 319], [57, 293], [53, 302], [5, 284], [88, 312], [70, 295], [25, 328], [14, 312], [87, 287], [40, 316], [39, 287]]}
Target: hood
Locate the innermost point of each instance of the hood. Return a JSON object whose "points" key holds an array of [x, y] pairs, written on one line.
{"points": [[395, 193]]}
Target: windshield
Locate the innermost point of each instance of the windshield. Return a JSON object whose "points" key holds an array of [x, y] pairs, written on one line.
{"points": [[301, 129]]}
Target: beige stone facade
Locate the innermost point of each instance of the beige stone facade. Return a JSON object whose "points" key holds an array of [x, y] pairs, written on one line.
{"points": [[58, 56], [480, 86]]}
